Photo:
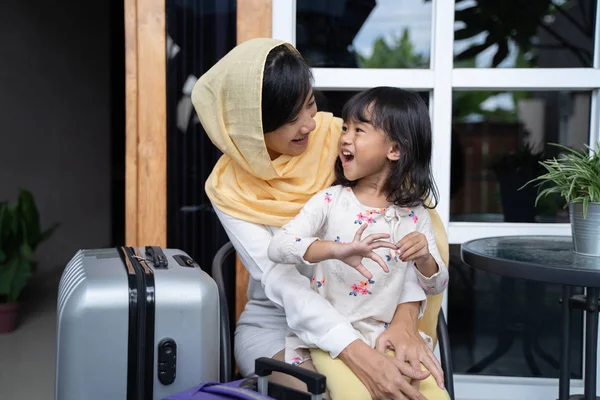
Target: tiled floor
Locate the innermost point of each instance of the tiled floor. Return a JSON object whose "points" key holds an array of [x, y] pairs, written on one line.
{"points": [[28, 354]]}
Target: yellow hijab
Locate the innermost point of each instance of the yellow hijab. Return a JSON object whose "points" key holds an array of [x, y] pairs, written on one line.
{"points": [[245, 183]]}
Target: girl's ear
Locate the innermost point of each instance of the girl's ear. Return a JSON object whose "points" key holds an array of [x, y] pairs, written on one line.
{"points": [[393, 153]]}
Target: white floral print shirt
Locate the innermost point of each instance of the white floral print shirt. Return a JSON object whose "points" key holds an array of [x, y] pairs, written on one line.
{"points": [[336, 214]]}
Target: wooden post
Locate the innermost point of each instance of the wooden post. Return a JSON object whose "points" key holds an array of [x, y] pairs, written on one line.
{"points": [[146, 123]]}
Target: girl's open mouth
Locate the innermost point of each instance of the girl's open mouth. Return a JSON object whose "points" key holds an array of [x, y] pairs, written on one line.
{"points": [[347, 157]]}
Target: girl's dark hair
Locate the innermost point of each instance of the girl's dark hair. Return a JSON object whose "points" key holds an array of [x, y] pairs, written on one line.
{"points": [[287, 80], [404, 117]]}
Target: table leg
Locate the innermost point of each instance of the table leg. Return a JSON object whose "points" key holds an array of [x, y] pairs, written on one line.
{"points": [[591, 343], [565, 361]]}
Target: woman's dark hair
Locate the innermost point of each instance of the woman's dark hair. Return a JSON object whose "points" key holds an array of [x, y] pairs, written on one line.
{"points": [[287, 80], [404, 117]]}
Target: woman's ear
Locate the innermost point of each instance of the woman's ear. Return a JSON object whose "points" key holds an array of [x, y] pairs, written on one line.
{"points": [[394, 153]]}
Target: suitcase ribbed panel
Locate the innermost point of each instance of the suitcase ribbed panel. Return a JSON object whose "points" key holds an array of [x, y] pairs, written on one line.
{"points": [[74, 274], [94, 320]]}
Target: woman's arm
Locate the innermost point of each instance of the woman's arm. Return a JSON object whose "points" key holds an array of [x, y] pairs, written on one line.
{"points": [[309, 315]]}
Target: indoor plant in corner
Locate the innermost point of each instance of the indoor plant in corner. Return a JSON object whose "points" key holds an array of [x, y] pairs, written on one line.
{"points": [[575, 175], [20, 234]]}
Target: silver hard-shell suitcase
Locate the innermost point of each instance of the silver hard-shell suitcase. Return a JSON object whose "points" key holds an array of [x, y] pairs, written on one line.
{"points": [[135, 324]]}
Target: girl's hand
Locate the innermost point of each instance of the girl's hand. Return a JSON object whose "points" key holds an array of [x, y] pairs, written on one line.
{"points": [[414, 247], [353, 253]]}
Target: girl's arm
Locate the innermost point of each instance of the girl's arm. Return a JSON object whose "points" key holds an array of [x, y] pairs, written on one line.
{"points": [[297, 243], [413, 292], [421, 248], [433, 276], [291, 243]]}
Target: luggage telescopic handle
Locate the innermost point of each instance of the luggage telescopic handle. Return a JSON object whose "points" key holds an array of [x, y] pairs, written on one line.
{"points": [[315, 382]]}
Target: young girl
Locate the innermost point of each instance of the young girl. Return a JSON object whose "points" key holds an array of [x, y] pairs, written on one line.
{"points": [[385, 179]]}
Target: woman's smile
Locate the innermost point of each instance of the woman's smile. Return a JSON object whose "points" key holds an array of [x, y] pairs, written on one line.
{"points": [[302, 142]]}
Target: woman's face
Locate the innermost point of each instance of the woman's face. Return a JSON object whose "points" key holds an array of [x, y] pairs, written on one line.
{"points": [[292, 138]]}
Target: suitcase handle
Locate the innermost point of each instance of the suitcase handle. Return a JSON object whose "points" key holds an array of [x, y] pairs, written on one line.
{"points": [[315, 382]]}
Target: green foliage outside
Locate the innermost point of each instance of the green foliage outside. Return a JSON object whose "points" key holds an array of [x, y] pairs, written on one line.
{"points": [[401, 53]]}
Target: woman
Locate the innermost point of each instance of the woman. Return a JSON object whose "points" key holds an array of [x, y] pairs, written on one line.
{"points": [[256, 105]]}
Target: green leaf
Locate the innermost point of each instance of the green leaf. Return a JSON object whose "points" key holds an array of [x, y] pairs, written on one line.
{"points": [[575, 175], [8, 272], [30, 217], [26, 251], [22, 276]]}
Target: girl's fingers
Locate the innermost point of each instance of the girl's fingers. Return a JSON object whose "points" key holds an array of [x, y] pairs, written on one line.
{"points": [[375, 236], [379, 260], [363, 271], [379, 244], [407, 238], [413, 251], [359, 232], [409, 253], [407, 244]]}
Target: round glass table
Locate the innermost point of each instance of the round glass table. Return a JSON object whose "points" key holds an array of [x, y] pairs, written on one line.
{"points": [[548, 259]]}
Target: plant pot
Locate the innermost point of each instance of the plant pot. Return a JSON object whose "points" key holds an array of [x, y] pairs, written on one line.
{"points": [[8, 317], [585, 231]]}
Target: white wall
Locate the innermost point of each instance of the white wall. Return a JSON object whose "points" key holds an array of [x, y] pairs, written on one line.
{"points": [[55, 118]]}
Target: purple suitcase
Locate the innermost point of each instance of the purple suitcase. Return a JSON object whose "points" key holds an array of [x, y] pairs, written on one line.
{"points": [[256, 388], [220, 391]]}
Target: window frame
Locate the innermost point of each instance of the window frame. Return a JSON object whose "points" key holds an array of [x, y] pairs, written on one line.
{"points": [[440, 80]]}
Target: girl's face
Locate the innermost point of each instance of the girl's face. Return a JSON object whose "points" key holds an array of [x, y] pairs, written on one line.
{"points": [[365, 151], [292, 138]]}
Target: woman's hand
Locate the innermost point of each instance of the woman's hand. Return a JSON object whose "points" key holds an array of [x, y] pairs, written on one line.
{"points": [[403, 337], [382, 374], [353, 253]]}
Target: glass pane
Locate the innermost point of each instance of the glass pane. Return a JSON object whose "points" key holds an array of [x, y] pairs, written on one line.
{"points": [[507, 327], [364, 33], [524, 34], [498, 138], [198, 35], [333, 101]]}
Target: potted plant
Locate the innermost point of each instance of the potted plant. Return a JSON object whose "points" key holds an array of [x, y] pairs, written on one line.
{"points": [[575, 175], [20, 234]]}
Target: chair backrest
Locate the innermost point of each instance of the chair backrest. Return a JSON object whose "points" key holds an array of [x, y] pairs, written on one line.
{"points": [[429, 321], [224, 284]]}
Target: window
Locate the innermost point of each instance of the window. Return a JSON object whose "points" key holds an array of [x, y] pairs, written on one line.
{"points": [[502, 77]]}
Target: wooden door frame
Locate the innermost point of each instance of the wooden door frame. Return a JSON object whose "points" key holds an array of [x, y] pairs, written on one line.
{"points": [[145, 123], [146, 119]]}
